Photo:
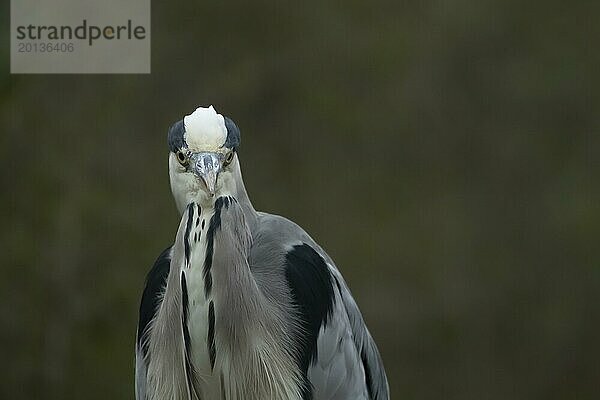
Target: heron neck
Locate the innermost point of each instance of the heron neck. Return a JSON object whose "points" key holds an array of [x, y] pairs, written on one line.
{"points": [[242, 197]]}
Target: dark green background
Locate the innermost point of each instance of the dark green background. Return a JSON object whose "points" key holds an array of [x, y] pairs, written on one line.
{"points": [[444, 152]]}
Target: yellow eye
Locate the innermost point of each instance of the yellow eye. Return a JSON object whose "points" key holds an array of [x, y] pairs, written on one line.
{"points": [[182, 158], [229, 158]]}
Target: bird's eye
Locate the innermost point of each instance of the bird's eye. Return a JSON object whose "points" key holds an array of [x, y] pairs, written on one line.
{"points": [[229, 158], [182, 158]]}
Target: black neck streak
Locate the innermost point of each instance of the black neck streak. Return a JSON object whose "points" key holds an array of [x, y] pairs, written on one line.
{"points": [[213, 227]]}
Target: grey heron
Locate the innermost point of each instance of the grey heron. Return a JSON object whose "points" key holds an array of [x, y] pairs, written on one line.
{"points": [[244, 304]]}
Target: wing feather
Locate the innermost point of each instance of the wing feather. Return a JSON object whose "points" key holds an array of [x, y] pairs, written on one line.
{"points": [[375, 377], [336, 351], [151, 299]]}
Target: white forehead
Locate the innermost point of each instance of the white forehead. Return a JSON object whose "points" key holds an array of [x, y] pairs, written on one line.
{"points": [[204, 129]]}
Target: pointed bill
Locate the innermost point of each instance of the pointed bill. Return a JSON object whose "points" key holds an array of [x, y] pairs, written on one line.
{"points": [[207, 167]]}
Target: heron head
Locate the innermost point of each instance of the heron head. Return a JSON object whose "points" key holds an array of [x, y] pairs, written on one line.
{"points": [[202, 157]]}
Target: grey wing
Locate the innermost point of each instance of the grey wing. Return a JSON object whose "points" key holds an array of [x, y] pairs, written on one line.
{"points": [[140, 373], [151, 297], [337, 355], [347, 364]]}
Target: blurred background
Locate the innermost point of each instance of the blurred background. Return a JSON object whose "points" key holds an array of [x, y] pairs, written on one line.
{"points": [[445, 153]]}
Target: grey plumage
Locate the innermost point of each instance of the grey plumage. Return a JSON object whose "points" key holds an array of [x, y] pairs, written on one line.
{"points": [[246, 305]]}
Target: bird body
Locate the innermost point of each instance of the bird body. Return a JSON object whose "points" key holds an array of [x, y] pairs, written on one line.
{"points": [[245, 304]]}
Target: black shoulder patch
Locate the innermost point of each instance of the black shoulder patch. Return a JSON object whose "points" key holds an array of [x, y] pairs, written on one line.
{"points": [[175, 137], [155, 283], [312, 290], [233, 134]]}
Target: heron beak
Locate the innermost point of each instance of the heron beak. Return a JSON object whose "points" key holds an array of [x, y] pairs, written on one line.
{"points": [[207, 166]]}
